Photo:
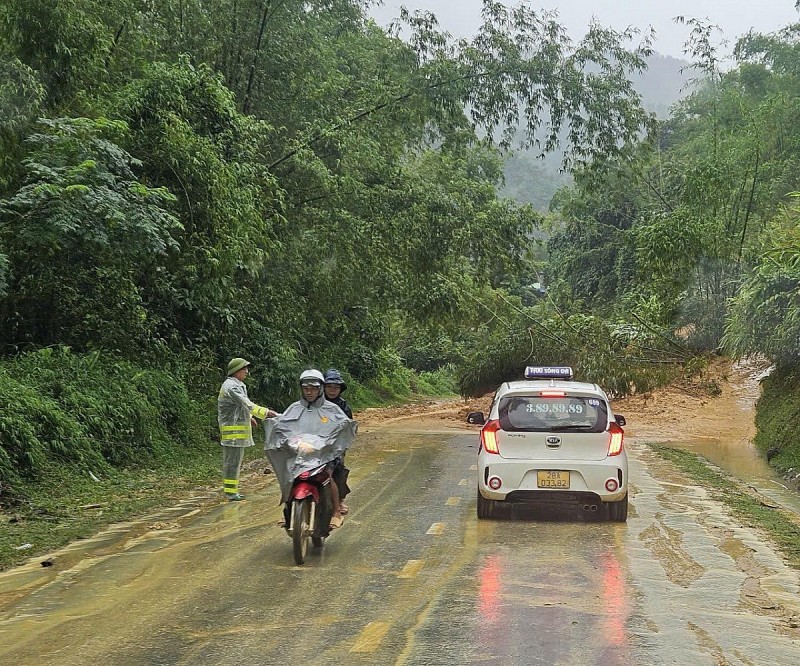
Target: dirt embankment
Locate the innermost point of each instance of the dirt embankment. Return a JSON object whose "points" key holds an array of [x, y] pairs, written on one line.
{"points": [[719, 404]]}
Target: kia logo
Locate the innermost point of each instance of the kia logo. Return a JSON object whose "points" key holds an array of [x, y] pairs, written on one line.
{"points": [[553, 440]]}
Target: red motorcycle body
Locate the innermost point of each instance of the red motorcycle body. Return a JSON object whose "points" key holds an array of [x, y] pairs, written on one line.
{"points": [[305, 488]]}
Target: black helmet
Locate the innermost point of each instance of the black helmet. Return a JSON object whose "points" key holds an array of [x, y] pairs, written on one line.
{"points": [[333, 376]]}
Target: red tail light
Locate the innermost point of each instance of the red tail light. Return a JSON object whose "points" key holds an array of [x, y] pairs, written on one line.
{"points": [[489, 438], [615, 442]]}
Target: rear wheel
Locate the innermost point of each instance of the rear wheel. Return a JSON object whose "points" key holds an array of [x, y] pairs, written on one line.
{"points": [[486, 508], [618, 511], [302, 518]]}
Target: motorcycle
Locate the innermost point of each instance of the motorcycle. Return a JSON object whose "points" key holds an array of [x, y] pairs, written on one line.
{"points": [[308, 511], [308, 500]]}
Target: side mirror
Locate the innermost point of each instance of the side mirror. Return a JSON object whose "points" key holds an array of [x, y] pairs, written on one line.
{"points": [[620, 419], [476, 418]]}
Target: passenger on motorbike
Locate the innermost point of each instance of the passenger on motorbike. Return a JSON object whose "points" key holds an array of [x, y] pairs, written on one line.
{"points": [[334, 387]]}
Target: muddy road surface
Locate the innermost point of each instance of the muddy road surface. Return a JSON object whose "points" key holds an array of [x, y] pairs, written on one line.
{"points": [[414, 578]]}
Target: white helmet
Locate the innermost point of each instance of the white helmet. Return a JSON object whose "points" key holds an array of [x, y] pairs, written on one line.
{"points": [[312, 378]]}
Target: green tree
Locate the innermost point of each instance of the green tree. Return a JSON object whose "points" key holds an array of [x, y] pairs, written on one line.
{"points": [[84, 239], [765, 314]]}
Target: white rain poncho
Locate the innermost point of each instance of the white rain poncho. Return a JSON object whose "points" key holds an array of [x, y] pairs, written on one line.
{"points": [[319, 431], [234, 410]]}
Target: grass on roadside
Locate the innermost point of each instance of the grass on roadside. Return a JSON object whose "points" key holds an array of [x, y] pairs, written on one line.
{"points": [[64, 506], [402, 387], [775, 522]]}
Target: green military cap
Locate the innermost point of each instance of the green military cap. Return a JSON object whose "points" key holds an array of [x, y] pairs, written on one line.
{"points": [[237, 364]]}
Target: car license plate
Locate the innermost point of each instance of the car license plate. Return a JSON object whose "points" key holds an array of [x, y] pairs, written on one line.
{"points": [[552, 478]]}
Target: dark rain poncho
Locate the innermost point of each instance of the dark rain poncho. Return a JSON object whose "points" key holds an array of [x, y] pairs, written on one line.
{"points": [[304, 437]]}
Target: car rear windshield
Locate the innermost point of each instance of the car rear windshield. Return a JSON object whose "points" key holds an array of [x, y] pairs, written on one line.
{"points": [[542, 414]]}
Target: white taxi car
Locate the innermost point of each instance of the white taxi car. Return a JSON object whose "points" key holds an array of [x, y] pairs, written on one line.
{"points": [[548, 439]]}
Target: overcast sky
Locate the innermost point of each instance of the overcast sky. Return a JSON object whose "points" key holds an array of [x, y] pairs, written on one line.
{"points": [[734, 17]]}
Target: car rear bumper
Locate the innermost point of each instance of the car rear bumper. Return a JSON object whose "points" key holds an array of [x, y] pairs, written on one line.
{"points": [[540, 497], [519, 479]]}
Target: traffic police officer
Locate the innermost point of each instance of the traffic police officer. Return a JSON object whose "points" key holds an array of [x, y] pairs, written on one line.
{"points": [[235, 412]]}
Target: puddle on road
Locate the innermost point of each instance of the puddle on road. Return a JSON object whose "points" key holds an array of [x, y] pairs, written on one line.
{"points": [[718, 428]]}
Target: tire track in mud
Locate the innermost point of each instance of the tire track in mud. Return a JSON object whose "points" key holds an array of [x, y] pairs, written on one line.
{"points": [[708, 644], [666, 545]]}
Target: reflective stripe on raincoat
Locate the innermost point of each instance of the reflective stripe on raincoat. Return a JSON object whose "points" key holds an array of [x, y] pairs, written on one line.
{"points": [[234, 410]]}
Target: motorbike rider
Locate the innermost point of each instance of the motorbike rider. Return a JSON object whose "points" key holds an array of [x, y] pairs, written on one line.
{"points": [[311, 402], [334, 387]]}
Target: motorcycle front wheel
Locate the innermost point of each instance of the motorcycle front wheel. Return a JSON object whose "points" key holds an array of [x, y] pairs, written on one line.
{"points": [[302, 528]]}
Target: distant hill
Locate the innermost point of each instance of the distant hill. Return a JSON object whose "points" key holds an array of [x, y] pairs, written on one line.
{"points": [[535, 181], [665, 81]]}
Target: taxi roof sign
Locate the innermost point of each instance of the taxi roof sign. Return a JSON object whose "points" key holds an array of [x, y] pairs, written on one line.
{"points": [[548, 372]]}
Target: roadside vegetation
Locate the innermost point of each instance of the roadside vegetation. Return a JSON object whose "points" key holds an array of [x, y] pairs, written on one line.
{"points": [[181, 183], [777, 417], [64, 503]]}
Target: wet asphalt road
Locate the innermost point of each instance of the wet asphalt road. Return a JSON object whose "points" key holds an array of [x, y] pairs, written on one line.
{"points": [[414, 578]]}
